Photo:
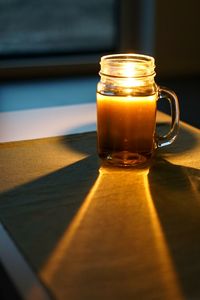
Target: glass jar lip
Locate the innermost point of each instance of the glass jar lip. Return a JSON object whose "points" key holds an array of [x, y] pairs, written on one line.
{"points": [[139, 65], [129, 56]]}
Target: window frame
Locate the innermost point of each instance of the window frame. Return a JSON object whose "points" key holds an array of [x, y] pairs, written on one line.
{"points": [[130, 36], [55, 64]]}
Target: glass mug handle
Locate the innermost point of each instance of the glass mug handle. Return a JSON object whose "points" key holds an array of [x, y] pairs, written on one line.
{"points": [[167, 139]]}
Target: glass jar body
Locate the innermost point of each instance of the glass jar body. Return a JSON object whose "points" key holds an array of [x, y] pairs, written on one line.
{"points": [[126, 118], [126, 110]]}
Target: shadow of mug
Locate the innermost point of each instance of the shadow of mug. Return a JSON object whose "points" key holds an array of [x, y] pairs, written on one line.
{"points": [[175, 192]]}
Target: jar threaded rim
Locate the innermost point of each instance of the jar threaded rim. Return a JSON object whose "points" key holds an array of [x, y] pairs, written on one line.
{"points": [[127, 65]]}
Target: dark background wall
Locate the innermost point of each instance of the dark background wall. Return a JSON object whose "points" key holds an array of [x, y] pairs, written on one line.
{"points": [[177, 53], [177, 37]]}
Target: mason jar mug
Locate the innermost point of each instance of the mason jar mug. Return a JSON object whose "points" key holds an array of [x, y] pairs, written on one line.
{"points": [[127, 98]]}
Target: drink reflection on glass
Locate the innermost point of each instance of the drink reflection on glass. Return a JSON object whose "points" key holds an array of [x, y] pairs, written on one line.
{"points": [[126, 110]]}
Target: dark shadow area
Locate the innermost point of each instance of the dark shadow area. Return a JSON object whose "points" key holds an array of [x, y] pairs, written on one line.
{"points": [[175, 192], [7, 291], [37, 214], [87, 144]]}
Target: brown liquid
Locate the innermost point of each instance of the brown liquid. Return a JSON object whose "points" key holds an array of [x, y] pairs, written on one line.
{"points": [[125, 127]]}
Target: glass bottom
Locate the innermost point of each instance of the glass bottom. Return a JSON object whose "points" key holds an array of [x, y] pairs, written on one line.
{"points": [[126, 158]]}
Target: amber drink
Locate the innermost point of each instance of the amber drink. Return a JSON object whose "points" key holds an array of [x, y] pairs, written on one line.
{"points": [[125, 129], [126, 110]]}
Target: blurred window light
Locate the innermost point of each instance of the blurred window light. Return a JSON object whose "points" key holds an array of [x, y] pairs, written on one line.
{"points": [[42, 27]]}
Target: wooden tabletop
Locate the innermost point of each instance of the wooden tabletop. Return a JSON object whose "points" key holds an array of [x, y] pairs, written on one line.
{"points": [[93, 232]]}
